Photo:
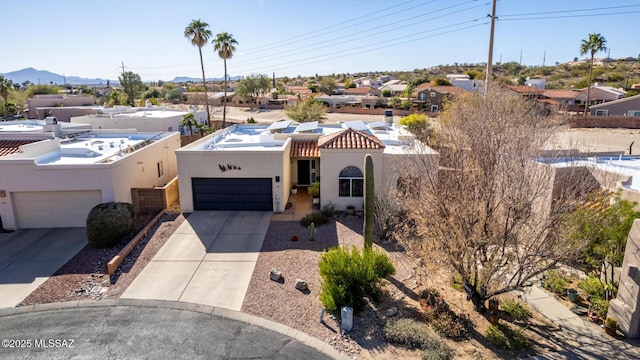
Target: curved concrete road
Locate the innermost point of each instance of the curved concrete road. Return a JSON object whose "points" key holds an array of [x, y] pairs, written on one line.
{"points": [[149, 329]]}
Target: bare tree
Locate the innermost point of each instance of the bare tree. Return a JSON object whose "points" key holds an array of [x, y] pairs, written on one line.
{"points": [[487, 212]]}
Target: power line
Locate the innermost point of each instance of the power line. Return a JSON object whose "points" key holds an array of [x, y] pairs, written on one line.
{"points": [[349, 39], [571, 16], [566, 11]]}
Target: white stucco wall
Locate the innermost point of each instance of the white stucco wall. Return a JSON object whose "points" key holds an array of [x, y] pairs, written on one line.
{"points": [[262, 163], [141, 123], [114, 180]]}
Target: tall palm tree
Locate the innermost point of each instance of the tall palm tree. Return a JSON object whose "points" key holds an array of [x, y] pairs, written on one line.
{"points": [[595, 43], [199, 34], [224, 44]]}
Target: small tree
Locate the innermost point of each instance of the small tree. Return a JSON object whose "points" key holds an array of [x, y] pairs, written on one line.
{"points": [[132, 85], [189, 121], [419, 126], [252, 86], [306, 111]]}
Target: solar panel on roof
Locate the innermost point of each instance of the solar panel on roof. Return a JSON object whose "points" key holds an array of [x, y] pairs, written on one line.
{"points": [[356, 125], [308, 126], [279, 125], [378, 125]]}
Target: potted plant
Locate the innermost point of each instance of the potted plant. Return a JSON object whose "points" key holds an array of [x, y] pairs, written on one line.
{"points": [[294, 189], [572, 294], [351, 210], [494, 305], [610, 326]]}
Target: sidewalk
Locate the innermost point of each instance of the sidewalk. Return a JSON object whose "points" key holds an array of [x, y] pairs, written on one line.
{"points": [[581, 339]]}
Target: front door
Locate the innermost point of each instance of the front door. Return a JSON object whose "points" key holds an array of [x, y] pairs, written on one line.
{"points": [[304, 171]]}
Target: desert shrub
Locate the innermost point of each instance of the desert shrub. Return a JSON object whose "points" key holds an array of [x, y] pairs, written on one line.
{"points": [[328, 210], [417, 335], [452, 326], [315, 218], [600, 306], [517, 310], [556, 282], [108, 223], [349, 276], [504, 337], [592, 286]]}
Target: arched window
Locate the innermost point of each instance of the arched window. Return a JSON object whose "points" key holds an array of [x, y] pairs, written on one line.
{"points": [[350, 182]]}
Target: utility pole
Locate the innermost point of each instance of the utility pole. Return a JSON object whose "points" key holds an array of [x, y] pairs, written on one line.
{"points": [[544, 57], [520, 62], [489, 71]]}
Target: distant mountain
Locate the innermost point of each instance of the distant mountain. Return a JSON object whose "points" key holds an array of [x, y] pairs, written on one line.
{"points": [[47, 77], [182, 79]]}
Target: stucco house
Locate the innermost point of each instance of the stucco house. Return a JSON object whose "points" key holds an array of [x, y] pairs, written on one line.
{"points": [[362, 91], [143, 119], [252, 167], [52, 176], [429, 97], [602, 93], [61, 107], [567, 97], [629, 106]]}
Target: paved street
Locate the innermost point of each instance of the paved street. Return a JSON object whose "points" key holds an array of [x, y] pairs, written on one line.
{"points": [[208, 260], [133, 329]]}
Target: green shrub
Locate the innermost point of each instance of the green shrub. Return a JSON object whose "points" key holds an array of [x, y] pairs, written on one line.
{"points": [[109, 223], [592, 286], [600, 306], [314, 189], [417, 335], [504, 337], [328, 210], [556, 282], [316, 218], [517, 310], [349, 276], [452, 326]]}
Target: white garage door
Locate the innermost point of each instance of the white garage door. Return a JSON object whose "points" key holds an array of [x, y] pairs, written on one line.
{"points": [[43, 209]]}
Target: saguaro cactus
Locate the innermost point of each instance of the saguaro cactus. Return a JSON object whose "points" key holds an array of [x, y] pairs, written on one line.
{"points": [[369, 199]]}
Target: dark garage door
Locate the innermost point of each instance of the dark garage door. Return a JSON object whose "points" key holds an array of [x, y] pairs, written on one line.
{"points": [[232, 194]]}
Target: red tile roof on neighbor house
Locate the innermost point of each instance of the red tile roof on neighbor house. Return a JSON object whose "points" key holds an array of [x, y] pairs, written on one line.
{"points": [[443, 89], [562, 93], [304, 148], [350, 139], [524, 89], [8, 147], [358, 91]]}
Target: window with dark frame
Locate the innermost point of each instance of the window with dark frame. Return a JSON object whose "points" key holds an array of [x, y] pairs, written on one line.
{"points": [[350, 182]]}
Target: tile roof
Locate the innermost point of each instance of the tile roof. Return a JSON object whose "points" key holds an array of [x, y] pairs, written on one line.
{"points": [[350, 139], [8, 147], [524, 89], [562, 93], [358, 90], [304, 148], [443, 89]]}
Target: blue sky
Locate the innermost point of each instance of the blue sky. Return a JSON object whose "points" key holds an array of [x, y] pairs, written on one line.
{"points": [[91, 39]]}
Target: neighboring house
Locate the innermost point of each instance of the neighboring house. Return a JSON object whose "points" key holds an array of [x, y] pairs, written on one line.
{"points": [[368, 82], [55, 182], [216, 98], [538, 83], [60, 106], [303, 91], [252, 167], [143, 119], [567, 97], [362, 91], [364, 101], [340, 88], [464, 82], [396, 89], [431, 98], [526, 91], [602, 61], [629, 106], [600, 93]]}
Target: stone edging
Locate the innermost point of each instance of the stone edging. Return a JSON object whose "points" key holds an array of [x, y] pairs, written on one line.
{"points": [[176, 305]]}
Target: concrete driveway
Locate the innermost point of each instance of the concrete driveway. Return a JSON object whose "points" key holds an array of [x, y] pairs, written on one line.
{"points": [[29, 256], [209, 260]]}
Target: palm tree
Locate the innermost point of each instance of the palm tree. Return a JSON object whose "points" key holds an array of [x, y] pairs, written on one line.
{"points": [[224, 44], [199, 34], [189, 121], [595, 43]]}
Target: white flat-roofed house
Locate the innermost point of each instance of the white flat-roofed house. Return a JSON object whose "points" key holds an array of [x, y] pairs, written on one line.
{"points": [[143, 119], [252, 167], [56, 181]]}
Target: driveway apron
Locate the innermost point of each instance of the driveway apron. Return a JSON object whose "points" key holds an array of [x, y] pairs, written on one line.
{"points": [[208, 260]]}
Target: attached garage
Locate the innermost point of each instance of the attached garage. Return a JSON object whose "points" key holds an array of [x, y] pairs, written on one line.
{"points": [[44, 209], [232, 194]]}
